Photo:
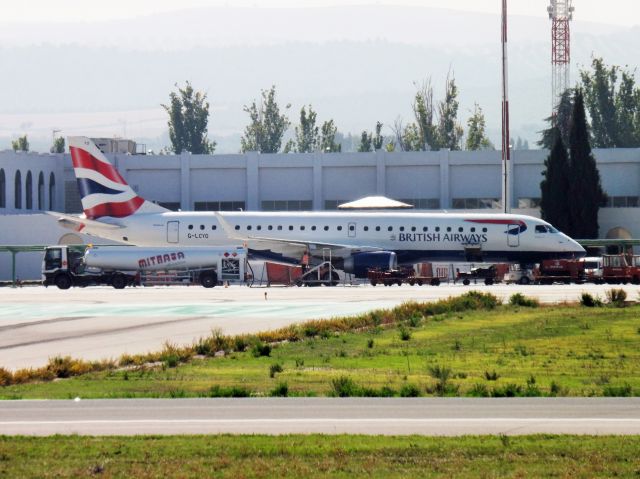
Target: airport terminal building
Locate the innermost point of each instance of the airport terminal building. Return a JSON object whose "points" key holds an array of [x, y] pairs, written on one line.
{"points": [[31, 183]]}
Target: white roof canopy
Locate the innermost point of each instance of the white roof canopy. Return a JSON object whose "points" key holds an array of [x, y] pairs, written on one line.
{"points": [[374, 203]]}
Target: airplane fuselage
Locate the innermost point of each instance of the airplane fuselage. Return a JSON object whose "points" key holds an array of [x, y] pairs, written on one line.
{"points": [[414, 237]]}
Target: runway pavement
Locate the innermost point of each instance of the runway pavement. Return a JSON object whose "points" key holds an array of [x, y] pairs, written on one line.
{"points": [[94, 323], [424, 416]]}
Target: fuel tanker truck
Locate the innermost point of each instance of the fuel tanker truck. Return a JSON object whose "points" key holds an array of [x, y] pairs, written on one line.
{"points": [[121, 266]]}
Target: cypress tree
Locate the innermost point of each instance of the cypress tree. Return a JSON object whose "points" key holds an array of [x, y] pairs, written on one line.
{"points": [[554, 187], [585, 191]]}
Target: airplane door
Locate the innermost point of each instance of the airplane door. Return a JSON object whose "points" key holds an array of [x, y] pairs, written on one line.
{"points": [[513, 235], [351, 230], [173, 230]]}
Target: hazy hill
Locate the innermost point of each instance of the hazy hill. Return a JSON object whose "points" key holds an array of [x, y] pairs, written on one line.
{"points": [[355, 64]]}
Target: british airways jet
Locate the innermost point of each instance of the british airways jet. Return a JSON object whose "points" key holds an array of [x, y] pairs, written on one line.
{"points": [[357, 240]]}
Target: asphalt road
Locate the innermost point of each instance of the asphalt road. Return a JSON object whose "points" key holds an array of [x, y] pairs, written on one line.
{"points": [[424, 416], [95, 323]]}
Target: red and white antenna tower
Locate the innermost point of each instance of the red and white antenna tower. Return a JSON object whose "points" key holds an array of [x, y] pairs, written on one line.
{"points": [[560, 14]]}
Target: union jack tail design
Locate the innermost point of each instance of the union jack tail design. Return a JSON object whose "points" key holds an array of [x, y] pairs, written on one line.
{"points": [[104, 193]]}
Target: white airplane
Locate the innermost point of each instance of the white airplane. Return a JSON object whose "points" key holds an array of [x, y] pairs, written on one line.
{"points": [[357, 240]]}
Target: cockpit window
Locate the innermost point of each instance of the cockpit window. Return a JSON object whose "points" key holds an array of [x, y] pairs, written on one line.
{"points": [[541, 229]]}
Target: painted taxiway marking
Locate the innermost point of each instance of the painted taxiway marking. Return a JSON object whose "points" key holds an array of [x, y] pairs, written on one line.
{"points": [[323, 420]]}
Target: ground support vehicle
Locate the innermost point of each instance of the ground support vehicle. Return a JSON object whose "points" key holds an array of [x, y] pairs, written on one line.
{"points": [[487, 274], [593, 269], [121, 266], [518, 274], [399, 276], [322, 274], [620, 268], [561, 271]]}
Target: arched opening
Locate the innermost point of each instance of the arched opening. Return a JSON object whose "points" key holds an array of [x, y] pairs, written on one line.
{"points": [[3, 189], [41, 191], [618, 233], [52, 192], [17, 200], [29, 192], [70, 238]]}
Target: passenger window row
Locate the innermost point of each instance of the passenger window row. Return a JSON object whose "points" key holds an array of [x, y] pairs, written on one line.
{"points": [[539, 229]]}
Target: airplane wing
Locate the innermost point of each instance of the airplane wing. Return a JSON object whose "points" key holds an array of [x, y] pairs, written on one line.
{"points": [[78, 223], [311, 245]]}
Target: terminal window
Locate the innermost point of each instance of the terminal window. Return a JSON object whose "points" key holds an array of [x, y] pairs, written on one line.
{"points": [[219, 205], [528, 202], [475, 203], [423, 203], [286, 205], [623, 202]]}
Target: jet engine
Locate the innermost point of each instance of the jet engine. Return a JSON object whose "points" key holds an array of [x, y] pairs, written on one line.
{"points": [[359, 263]]}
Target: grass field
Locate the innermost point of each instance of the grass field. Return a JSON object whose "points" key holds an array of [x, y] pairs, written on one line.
{"points": [[505, 350], [319, 456]]}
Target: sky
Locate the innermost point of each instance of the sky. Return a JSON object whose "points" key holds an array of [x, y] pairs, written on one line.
{"points": [[617, 12]]}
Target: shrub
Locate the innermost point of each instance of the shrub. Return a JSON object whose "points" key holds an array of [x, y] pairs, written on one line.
{"points": [[281, 390], [239, 343], [6, 378], [409, 391], [370, 343], [274, 369], [260, 349], [507, 391], [491, 376], [519, 299], [479, 390], [60, 366], [590, 301], [171, 360], [310, 330], [555, 389], [232, 392], [405, 334], [617, 391], [415, 319], [203, 347], [344, 386], [442, 375], [616, 297]]}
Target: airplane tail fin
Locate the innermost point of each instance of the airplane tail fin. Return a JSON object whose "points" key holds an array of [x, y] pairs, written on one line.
{"points": [[104, 193]]}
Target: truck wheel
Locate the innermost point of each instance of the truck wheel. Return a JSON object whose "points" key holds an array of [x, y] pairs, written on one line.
{"points": [[488, 281], [118, 281], [63, 281], [208, 280], [373, 283], [435, 282], [466, 282], [524, 281]]}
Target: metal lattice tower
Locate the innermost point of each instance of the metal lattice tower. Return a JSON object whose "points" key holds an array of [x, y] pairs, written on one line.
{"points": [[560, 13]]}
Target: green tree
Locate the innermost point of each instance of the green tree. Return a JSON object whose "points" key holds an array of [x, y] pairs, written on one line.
{"points": [[476, 136], [21, 144], [378, 139], [58, 145], [307, 134], [366, 142], [267, 127], [560, 120], [554, 188], [449, 131], [627, 103], [423, 112], [328, 133], [188, 118], [585, 191]]}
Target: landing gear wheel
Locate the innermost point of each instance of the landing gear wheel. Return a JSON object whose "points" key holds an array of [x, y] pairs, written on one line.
{"points": [[63, 281], [118, 281]]}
